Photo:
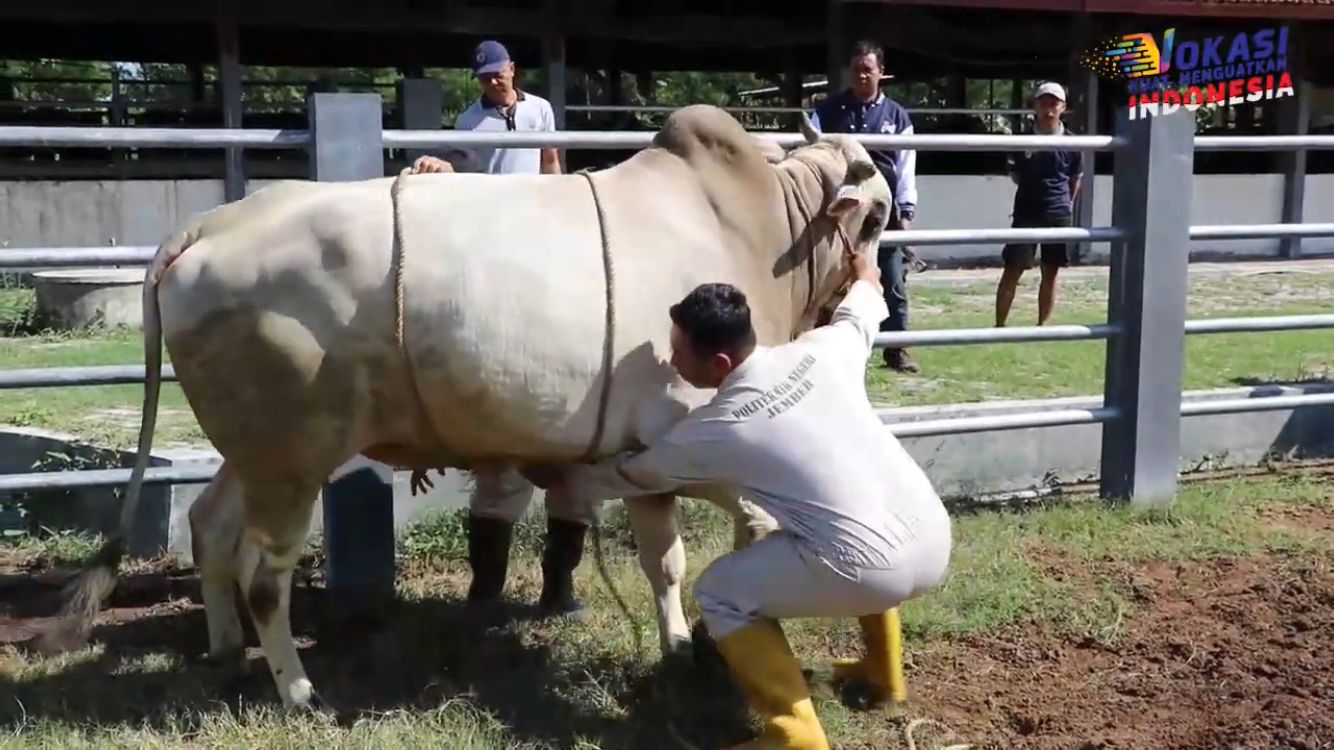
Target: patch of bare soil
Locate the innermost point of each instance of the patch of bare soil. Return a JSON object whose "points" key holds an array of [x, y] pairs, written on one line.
{"points": [[1226, 654]]}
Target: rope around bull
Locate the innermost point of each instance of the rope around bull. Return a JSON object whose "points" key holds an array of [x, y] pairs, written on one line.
{"points": [[608, 352], [608, 361], [604, 402]]}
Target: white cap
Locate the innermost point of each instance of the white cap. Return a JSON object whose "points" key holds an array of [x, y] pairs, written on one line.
{"points": [[1050, 87]]}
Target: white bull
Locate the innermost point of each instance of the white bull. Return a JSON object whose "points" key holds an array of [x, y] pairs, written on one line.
{"points": [[460, 320]]}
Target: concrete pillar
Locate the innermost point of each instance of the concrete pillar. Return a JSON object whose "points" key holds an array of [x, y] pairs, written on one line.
{"points": [[197, 83], [644, 85], [1082, 91], [793, 93], [1146, 300], [229, 78], [837, 46], [421, 102], [553, 59], [348, 144], [1294, 114]]}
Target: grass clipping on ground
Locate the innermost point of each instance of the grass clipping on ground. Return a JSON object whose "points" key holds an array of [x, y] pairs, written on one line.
{"points": [[431, 677]]}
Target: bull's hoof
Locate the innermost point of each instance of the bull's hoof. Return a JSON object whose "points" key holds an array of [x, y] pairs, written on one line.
{"points": [[678, 647], [231, 662], [569, 609], [705, 651], [860, 695], [488, 613], [319, 708]]}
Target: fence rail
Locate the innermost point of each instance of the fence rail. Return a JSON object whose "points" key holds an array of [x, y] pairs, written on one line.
{"points": [[1145, 329], [202, 473], [121, 137], [141, 255]]}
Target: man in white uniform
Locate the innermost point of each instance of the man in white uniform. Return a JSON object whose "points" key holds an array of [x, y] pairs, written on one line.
{"points": [[499, 500], [861, 528]]}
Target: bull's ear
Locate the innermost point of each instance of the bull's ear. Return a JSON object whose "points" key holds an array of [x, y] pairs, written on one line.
{"points": [[847, 200], [808, 129], [861, 170]]}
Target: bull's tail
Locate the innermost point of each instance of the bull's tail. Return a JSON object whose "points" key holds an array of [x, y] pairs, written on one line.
{"points": [[84, 594]]}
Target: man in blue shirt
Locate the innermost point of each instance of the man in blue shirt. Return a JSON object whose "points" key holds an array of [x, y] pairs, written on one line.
{"points": [[864, 108], [1048, 182]]}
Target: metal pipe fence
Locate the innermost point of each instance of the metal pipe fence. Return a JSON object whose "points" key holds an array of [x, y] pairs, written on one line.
{"points": [[1144, 331], [141, 255], [120, 137], [762, 110]]}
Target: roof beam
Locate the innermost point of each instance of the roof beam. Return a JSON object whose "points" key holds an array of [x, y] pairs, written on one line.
{"points": [[370, 18]]}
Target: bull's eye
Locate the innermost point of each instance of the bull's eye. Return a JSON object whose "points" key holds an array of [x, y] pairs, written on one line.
{"points": [[873, 224]]}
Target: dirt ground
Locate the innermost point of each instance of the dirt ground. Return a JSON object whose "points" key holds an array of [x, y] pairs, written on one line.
{"points": [[1230, 654], [1224, 655]]}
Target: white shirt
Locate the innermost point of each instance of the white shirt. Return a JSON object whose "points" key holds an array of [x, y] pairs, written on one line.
{"points": [[531, 112], [793, 429]]}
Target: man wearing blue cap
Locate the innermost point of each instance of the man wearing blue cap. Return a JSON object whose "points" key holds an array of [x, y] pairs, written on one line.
{"points": [[499, 499], [502, 106]]}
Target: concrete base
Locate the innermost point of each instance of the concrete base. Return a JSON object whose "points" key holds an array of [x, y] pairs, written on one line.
{"points": [[162, 509], [973, 466], [1009, 461], [84, 297]]}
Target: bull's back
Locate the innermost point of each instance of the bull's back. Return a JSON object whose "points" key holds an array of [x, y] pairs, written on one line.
{"points": [[506, 299]]}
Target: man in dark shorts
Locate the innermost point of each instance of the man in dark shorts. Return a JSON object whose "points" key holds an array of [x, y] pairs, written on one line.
{"points": [[1048, 182]]}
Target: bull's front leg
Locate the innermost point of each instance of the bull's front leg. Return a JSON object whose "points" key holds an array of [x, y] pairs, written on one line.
{"points": [[662, 555]]}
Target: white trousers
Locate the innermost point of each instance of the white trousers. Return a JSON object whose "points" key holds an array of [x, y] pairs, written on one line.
{"points": [[779, 578], [506, 496]]}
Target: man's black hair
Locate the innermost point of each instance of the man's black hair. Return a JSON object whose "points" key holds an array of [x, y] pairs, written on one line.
{"points": [[716, 318], [867, 47]]}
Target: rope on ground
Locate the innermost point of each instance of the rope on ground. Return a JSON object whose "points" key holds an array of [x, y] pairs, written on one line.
{"points": [[620, 602], [915, 723]]}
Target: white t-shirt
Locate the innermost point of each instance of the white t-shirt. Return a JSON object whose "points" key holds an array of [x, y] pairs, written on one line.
{"points": [[531, 112], [793, 429]]}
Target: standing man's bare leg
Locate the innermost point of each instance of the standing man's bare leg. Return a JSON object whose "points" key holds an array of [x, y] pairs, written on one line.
{"points": [[1047, 292], [1009, 283]]}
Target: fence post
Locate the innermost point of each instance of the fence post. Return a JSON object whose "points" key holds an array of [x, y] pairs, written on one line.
{"points": [[347, 143], [1152, 186]]}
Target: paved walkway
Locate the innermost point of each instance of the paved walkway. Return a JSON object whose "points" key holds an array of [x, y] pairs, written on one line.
{"points": [[1238, 268]]}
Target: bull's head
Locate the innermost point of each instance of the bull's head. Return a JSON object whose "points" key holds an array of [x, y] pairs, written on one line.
{"points": [[854, 211]]}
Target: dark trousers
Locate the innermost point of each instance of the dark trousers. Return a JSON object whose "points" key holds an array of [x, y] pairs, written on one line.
{"points": [[894, 278]]}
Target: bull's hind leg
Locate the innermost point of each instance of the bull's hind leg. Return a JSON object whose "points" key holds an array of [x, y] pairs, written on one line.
{"points": [[750, 523], [662, 555], [278, 515], [215, 537]]}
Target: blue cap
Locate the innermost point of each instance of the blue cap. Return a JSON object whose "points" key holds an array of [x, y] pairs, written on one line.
{"points": [[489, 57]]}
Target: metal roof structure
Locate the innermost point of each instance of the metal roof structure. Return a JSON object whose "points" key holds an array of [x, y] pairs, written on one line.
{"points": [[925, 37]]}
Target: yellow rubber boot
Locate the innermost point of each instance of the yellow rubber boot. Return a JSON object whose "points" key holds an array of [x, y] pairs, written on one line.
{"points": [[769, 675], [879, 671]]}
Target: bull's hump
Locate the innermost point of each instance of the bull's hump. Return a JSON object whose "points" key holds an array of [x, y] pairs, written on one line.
{"points": [[703, 126]]}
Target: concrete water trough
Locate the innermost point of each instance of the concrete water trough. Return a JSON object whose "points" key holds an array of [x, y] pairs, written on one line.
{"points": [[81, 297]]}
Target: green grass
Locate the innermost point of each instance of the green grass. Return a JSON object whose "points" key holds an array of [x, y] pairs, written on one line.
{"points": [[434, 679], [107, 415], [955, 374]]}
